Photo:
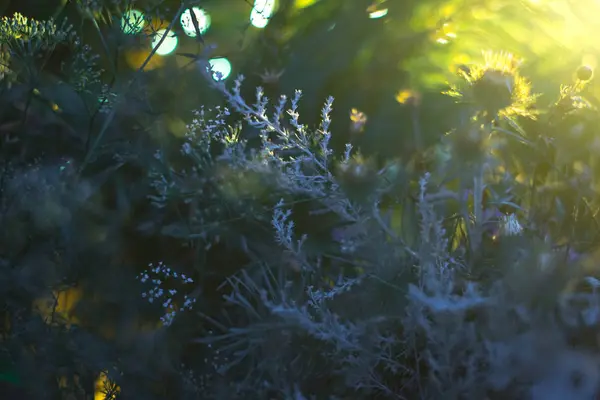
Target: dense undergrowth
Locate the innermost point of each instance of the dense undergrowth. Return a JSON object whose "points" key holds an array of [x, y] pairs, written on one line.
{"points": [[243, 255]]}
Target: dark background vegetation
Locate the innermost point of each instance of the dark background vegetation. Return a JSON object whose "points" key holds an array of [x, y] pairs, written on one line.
{"points": [[78, 224]]}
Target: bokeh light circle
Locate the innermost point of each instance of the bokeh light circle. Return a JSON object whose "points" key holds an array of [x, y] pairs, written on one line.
{"points": [[220, 65], [132, 22], [168, 45], [262, 12], [188, 25]]}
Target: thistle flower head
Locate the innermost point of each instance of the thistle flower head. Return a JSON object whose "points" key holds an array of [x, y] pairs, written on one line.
{"points": [[497, 87]]}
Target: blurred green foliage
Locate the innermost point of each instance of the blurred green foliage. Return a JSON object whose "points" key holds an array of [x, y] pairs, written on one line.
{"points": [[332, 47]]}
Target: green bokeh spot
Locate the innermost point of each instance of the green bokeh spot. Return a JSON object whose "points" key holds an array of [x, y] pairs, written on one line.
{"points": [[132, 22]]}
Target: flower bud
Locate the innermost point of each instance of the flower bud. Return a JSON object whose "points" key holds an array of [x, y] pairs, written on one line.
{"points": [[494, 90], [585, 73]]}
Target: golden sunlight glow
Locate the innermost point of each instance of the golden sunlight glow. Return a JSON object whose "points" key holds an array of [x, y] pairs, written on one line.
{"points": [[60, 305], [304, 3], [168, 45], [187, 22], [458, 61], [589, 60], [262, 12], [136, 57], [100, 390], [358, 120], [408, 96]]}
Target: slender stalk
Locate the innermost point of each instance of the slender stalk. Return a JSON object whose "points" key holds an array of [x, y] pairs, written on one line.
{"points": [[478, 188], [416, 123], [111, 115]]}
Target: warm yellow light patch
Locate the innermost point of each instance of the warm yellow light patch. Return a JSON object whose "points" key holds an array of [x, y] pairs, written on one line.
{"points": [[100, 391], [407, 96], [358, 119], [459, 237], [521, 178], [176, 126], [135, 59], [403, 96], [459, 60], [357, 116], [61, 306], [448, 10], [482, 13], [304, 3], [590, 60]]}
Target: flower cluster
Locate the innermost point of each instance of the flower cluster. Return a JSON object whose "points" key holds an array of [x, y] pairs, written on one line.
{"points": [[158, 276]]}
